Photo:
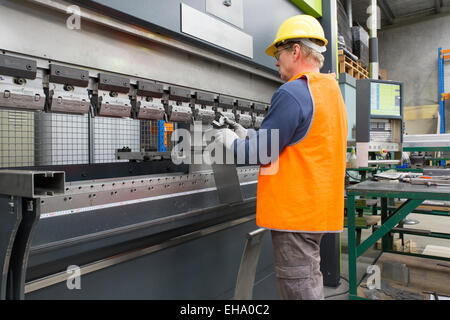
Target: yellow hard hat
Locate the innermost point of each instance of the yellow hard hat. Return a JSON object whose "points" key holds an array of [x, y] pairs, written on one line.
{"points": [[301, 26]]}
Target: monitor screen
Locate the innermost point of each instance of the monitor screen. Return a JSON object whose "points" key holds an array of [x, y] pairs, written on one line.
{"points": [[385, 99]]}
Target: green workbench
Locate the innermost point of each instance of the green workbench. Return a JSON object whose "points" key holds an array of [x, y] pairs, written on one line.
{"points": [[390, 218]]}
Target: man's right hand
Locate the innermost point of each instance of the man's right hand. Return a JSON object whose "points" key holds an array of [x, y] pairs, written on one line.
{"points": [[240, 131]]}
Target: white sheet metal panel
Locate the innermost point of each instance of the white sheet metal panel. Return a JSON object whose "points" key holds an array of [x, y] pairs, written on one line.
{"points": [[205, 27], [233, 14]]}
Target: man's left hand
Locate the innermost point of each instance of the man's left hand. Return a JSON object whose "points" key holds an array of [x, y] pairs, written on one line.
{"points": [[240, 130]]}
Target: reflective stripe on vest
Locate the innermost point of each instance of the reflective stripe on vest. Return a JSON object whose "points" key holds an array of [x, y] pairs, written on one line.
{"points": [[307, 192]]}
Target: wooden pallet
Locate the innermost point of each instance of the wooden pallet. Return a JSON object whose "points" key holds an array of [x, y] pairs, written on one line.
{"points": [[353, 68]]}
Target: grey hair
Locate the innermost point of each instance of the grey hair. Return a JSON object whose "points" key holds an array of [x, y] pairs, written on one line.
{"points": [[312, 55]]}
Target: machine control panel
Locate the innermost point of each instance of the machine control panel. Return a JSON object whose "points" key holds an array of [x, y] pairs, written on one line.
{"points": [[379, 120]]}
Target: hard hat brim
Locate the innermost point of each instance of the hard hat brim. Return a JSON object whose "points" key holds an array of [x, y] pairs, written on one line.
{"points": [[270, 51]]}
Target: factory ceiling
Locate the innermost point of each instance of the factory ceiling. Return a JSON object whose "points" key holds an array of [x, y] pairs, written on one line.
{"points": [[394, 12]]}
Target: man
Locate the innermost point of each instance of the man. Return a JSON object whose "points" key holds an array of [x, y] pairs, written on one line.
{"points": [[304, 198]]}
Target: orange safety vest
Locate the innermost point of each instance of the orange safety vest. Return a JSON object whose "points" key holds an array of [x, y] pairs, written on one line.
{"points": [[307, 192]]}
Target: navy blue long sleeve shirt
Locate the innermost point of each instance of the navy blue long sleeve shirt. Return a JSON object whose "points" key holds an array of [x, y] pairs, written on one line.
{"points": [[291, 112]]}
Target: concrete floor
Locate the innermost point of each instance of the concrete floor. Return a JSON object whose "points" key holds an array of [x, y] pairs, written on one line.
{"points": [[426, 222]]}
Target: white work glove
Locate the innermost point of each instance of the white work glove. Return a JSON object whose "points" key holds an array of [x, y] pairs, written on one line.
{"points": [[226, 137], [240, 131]]}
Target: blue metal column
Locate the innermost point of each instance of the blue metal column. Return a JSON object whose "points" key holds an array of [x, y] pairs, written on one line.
{"points": [[161, 129], [441, 90]]}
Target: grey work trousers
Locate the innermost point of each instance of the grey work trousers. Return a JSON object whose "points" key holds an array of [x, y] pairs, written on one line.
{"points": [[297, 265]]}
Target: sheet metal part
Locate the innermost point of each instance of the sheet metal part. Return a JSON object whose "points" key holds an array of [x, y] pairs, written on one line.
{"points": [[227, 182], [249, 262]]}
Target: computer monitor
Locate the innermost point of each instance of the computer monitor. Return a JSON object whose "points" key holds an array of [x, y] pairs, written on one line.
{"points": [[385, 99]]}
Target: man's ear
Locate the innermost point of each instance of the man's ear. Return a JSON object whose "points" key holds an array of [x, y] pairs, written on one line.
{"points": [[297, 52]]}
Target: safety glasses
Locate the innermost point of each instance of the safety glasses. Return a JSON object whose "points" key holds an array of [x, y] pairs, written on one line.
{"points": [[278, 52]]}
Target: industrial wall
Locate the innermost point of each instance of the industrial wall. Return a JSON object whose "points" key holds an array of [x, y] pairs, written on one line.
{"points": [[409, 53]]}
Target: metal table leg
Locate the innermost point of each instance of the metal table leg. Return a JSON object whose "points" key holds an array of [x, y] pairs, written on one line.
{"points": [[351, 245], [387, 241]]}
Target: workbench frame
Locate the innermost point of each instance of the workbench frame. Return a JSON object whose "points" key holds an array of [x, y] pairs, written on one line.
{"points": [[389, 219]]}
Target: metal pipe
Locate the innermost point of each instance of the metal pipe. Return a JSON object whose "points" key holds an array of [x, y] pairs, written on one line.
{"points": [[418, 232], [373, 162], [373, 40], [348, 7]]}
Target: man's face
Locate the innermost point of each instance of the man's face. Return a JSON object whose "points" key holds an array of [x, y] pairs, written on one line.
{"points": [[284, 58]]}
